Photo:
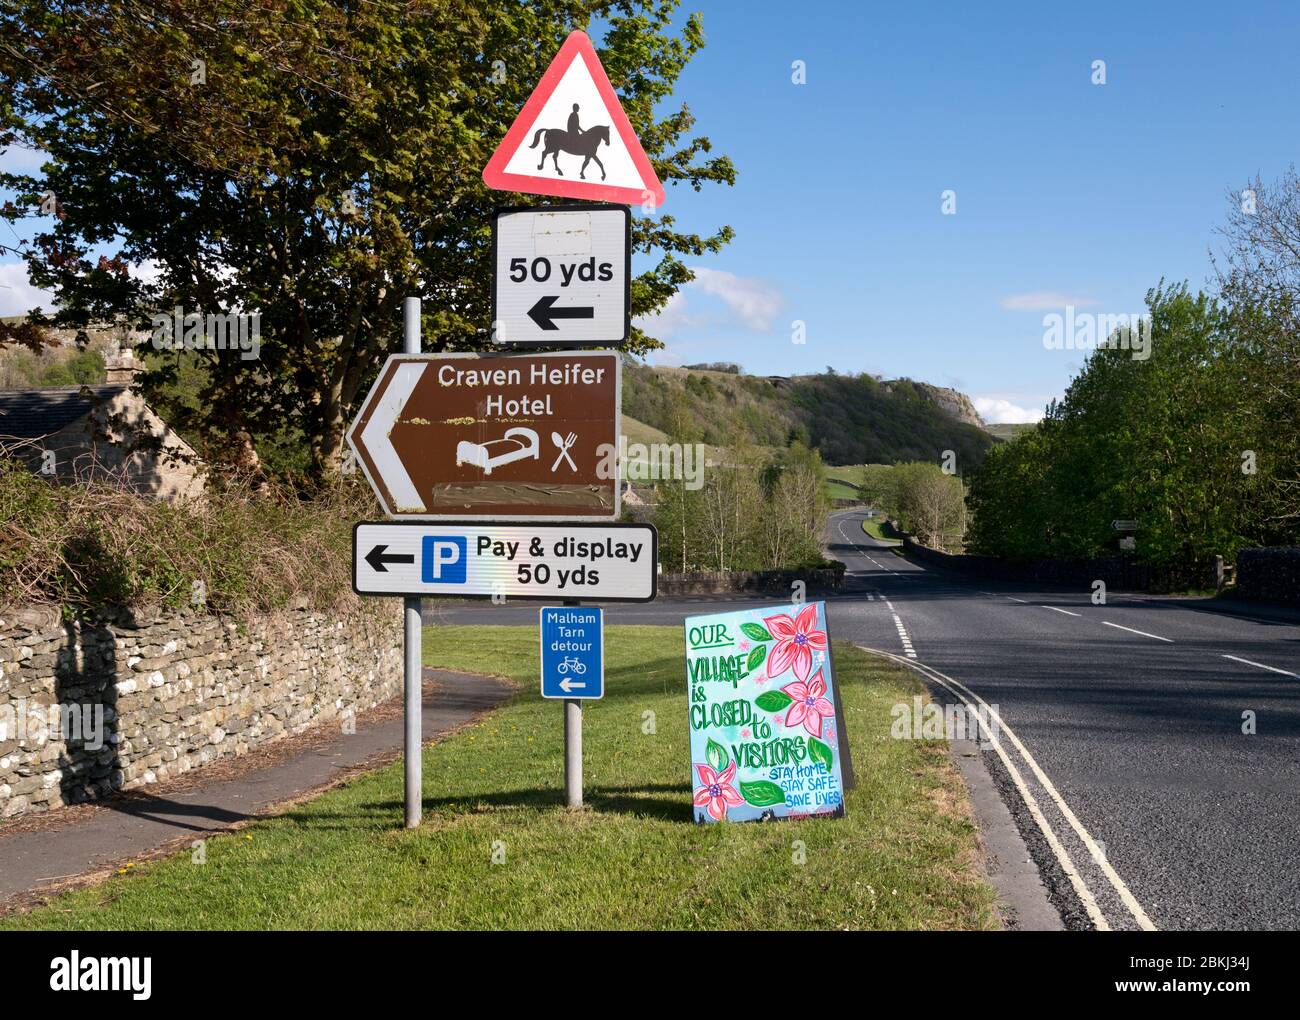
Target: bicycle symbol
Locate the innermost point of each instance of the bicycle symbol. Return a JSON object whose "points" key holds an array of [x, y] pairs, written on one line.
{"points": [[573, 663]]}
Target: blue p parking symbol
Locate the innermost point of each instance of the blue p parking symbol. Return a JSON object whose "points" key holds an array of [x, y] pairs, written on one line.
{"points": [[442, 559]]}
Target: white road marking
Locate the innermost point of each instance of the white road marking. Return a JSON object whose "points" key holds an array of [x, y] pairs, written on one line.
{"points": [[1089, 901], [1142, 632], [1057, 609], [908, 650], [1062, 855], [1271, 669], [1014, 599]]}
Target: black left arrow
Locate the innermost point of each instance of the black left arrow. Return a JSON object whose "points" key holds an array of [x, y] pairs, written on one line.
{"points": [[544, 313], [377, 559]]}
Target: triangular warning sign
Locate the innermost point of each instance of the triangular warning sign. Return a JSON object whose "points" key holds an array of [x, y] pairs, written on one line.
{"points": [[573, 139]]}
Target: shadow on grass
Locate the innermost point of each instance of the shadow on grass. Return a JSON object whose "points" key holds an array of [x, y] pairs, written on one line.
{"points": [[648, 677], [664, 801]]}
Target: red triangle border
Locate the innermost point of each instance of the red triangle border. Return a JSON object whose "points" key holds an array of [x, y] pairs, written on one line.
{"points": [[495, 177]]}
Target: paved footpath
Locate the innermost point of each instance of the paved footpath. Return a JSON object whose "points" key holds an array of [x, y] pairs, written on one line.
{"points": [[47, 851]]}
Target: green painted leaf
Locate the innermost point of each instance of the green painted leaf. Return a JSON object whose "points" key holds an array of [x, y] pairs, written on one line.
{"points": [[716, 755], [756, 631], [756, 656], [773, 701], [761, 793], [818, 751]]}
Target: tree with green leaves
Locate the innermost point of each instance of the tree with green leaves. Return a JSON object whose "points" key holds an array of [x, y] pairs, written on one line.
{"points": [[930, 505], [314, 162], [1259, 277], [1175, 442]]}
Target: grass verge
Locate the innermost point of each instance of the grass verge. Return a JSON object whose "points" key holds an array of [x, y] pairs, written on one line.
{"points": [[879, 529], [905, 855]]}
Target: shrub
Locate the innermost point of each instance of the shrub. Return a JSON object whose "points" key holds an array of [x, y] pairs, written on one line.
{"points": [[95, 545]]}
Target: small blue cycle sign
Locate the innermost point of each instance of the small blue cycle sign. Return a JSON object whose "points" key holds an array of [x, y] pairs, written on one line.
{"points": [[573, 654]]}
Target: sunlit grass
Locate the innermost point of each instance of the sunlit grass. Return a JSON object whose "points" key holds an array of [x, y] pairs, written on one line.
{"points": [[902, 857]]}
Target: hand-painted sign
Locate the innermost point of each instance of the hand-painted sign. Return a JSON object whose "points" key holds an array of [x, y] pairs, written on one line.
{"points": [[573, 139], [609, 562], [495, 436], [573, 652], [561, 275], [766, 735]]}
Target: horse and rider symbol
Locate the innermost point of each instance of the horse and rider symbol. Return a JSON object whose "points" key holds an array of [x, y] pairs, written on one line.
{"points": [[573, 140]]}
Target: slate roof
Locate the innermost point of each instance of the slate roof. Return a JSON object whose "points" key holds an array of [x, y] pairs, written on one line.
{"points": [[31, 414]]}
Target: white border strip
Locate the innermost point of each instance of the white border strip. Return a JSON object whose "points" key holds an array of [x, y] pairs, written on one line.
{"points": [[406, 497]]}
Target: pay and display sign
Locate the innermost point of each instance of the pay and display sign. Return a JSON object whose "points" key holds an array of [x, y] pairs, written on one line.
{"points": [[607, 562], [766, 728], [561, 275], [573, 652]]}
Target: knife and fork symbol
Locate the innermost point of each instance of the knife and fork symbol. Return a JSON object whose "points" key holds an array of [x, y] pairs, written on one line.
{"points": [[563, 445]]}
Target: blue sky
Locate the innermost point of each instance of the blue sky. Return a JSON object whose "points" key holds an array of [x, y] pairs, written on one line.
{"points": [[1067, 192]]}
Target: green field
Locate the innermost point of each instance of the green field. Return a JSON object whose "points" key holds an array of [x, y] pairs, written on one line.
{"points": [[1008, 432], [905, 855], [837, 490], [842, 481]]}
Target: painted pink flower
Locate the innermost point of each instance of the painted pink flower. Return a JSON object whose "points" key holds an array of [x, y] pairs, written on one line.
{"points": [[717, 793], [795, 642], [810, 705]]}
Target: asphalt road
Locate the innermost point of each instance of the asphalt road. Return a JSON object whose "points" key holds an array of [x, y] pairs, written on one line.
{"points": [[1118, 730]]}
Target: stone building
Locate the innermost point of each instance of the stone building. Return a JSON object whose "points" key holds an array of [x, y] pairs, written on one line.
{"points": [[102, 432]]}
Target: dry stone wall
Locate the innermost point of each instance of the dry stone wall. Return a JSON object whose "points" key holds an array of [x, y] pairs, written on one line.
{"points": [[93, 705]]}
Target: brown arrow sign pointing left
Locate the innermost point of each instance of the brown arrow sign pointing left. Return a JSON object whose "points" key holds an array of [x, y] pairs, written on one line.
{"points": [[499, 436]]}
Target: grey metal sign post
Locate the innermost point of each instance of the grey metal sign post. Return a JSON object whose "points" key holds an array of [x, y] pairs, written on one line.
{"points": [[413, 673], [573, 752], [573, 744]]}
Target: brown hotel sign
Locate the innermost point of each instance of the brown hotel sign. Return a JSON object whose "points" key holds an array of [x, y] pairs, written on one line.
{"points": [[498, 436]]}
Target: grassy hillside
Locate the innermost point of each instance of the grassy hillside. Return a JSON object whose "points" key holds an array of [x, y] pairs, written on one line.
{"points": [[1009, 431], [851, 419]]}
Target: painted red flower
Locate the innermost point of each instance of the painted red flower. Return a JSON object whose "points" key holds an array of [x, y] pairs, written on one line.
{"points": [[810, 705], [795, 642], [717, 793]]}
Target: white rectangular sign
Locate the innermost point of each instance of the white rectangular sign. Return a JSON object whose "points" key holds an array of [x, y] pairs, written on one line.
{"points": [[597, 562], [561, 275]]}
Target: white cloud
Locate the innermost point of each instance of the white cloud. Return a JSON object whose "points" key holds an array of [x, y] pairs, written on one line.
{"points": [[669, 320], [1045, 300], [997, 411], [756, 303], [17, 295]]}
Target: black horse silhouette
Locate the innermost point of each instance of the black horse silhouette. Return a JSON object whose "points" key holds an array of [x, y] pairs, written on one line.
{"points": [[559, 140]]}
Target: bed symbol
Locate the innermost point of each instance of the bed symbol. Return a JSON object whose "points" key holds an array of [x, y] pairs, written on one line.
{"points": [[516, 444]]}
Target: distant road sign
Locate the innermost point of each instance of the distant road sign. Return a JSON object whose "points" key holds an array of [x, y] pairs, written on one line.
{"points": [[494, 436], [573, 653], [1124, 525], [606, 562], [572, 138], [561, 275]]}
